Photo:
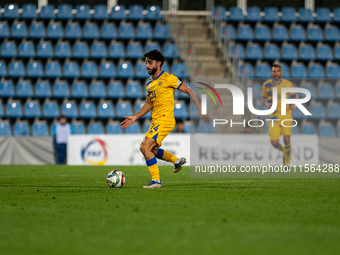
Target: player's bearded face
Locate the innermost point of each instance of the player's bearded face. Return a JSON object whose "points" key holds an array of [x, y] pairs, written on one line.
{"points": [[276, 73], [151, 66]]}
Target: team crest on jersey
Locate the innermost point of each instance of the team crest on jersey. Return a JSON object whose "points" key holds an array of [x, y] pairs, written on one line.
{"points": [[160, 83]]}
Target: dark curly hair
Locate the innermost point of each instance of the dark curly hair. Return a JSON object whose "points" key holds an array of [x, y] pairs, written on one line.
{"points": [[155, 55]]}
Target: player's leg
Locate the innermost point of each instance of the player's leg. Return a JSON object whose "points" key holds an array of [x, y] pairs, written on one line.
{"points": [[274, 135], [288, 149], [167, 156]]}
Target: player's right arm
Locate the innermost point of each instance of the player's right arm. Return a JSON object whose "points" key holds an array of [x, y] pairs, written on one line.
{"points": [[264, 97], [144, 110]]}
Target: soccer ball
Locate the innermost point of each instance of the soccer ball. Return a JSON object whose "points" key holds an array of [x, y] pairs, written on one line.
{"points": [[115, 179]]}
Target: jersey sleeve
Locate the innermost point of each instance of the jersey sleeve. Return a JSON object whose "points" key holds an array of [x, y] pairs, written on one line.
{"points": [[174, 82]]}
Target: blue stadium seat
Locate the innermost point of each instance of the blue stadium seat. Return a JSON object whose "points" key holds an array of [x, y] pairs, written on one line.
{"points": [[43, 89], [113, 128], [78, 128], [108, 31], [154, 12], [29, 11], [280, 33], [2, 112], [315, 70], [11, 11], [45, 50], [81, 50], [336, 14], [24, 89], [125, 70], [65, 12], [311, 88], [166, 67], [124, 109], [53, 69], [4, 30], [71, 69], [141, 71], [323, 15], [26, 49], [246, 70], [254, 51], [326, 91], [219, 13], [262, 70], [8, 49], [116, 90], [127, 31], [288, 14], [146, 126], [272, 52], [228, 32], [98, 50], [289, 52], [333, 111], [100, 12], [136, 12], [262, 33], [37, 30], [107, 70], [19, 30], [79, 89], [308, 129], [61, 89], [39, 129], [306, 15], [14, 109], [299, 115], [307, 52], [180, 110], [254, 14], [236, 14], [97, 89], [21, 129], [245, 32], [257, 90], [180, 70], [106, 110], [63, 50], [193, 111], [51, 110], [87, 110], [3, 69], [144, 31], [118, 12], [73, 31], [326, 130], [47, 12], [189, 128], [237, 51], [314, 33], [138, 106], [333, 70], [134, 50], [337, 51], [69, 109], [271, 14], [91, 31], [134, 89], [170, 51], [134, 128], [83, 12], [7, 89], [205, 128], [16, 69], [324, 52], [89, 69], [32, 109], [318, 111], [297, 33], [337, 91], [5, 129], [162, 32], [332, 33], [298, 70], [55, 30], [117, 50]]}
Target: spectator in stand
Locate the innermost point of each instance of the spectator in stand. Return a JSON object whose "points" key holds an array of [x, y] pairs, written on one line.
{"points": [[60, 132], [180, 126]]}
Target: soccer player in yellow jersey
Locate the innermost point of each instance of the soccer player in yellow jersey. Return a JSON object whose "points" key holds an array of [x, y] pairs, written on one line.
{"points": [[160, 98], [276, 129]]}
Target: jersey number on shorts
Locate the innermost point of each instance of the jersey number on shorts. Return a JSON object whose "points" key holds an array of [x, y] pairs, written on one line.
{"points": [[155, 128]]}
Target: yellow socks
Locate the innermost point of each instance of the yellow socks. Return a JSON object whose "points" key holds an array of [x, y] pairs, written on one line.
{"points": [[153, 168], [167, 156], [287, 155], [279, 147]]}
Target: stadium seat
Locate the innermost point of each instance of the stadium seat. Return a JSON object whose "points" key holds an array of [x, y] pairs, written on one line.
{"points": [[91, 31], [333, 111], [314, 33], [288, 14], [11, 11], [326, 130], [315, 70], [297, 33], [133, 129], [107, 70], [47, 12], [53, 69], [337, 91], [78, 128], [146, 126], [180, 70], [138, 106], [323, 15], [180, 110], [326, 91], [154, 12], [189, 128], [162, 32], [134, 50], [166, 67], [318, 111], [271, 52], [73, 31], [79, 89], [55, 30], [324, 52], [237, 51], [141, 71], [262, 70], [118, 12], [311, 88], [69, 109], [254, 51], [39, 129], [19, 30], [136, 12], [236, 14], [83, 12], [228, 32], [32, 109], [271, 14], [295, 130], [219, 13], [205, 128], [21, 129], [332, 33], [71, 69], [262, 33], [43, 89], [61, 89], [14, 109], [170, 51], [89, 69], [4, 30], [245, 32], [254, 14], [117, 50], [257, 90], [2, 112], [37, 30], [8, 49], [108, 31], [65, 12], [24, 89], [298, 70], [289, 52], [336, 14], [100, 12], [98, 50], [106, 110], [81, 50], [125, 70], [333, 71], [5, 128], [308, 129], [45, 50], [280, 33], [134, 90], [337, 51], [7, 89], [124, 109], [113, 128], [51, 110], [299, 115], [127, 31], [305, 15], [307, 52], [97, 89], [116, 90], [3, 69], [246, 70], [87, 110], [26, 49], [144, 31], [16, 69], [63, 50]]}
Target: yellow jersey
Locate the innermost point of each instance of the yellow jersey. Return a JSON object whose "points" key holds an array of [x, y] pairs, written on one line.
{"points": [[267, 92], [161, 91]]}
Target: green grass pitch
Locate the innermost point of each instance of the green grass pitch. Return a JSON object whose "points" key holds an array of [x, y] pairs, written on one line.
{"points": [[71, 210]]}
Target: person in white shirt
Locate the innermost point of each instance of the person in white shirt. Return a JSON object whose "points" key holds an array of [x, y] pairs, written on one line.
{"points": [[61, 131]]}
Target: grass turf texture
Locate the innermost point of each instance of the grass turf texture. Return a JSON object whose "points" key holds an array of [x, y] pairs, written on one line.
{"points": [[71, 210]]}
